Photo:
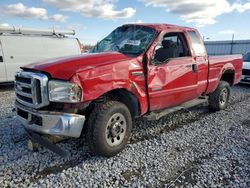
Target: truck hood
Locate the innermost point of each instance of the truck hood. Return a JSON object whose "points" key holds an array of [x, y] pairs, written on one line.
{"points": [[65, 67]]}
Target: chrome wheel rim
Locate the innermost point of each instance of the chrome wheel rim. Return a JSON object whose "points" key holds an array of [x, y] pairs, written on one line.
{"points": [[116, 129], [223, 96]]}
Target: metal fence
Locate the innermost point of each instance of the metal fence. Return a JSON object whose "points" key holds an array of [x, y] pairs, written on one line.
{"points": [[227, 47]]}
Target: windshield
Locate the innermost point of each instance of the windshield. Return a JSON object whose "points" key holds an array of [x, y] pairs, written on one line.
{"points": [[128, 39], [246, 57]]}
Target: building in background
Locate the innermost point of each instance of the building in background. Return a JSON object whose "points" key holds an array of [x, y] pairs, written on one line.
{"points": [[227, 47]]}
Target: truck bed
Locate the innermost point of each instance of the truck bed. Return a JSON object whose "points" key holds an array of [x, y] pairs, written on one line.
{"points": [[220, 64]]}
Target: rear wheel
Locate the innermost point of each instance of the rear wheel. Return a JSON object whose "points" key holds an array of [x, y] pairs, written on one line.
{"points": [[218, 100], [109, 128]]}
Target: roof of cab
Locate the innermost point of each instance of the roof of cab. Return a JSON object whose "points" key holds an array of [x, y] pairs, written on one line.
{"points": [[160, 27]]}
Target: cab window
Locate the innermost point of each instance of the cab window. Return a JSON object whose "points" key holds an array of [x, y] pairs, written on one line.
{"points": [[172, 45]]}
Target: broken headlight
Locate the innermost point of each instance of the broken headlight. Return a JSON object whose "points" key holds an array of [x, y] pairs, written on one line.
{"points": [[62, 91]]}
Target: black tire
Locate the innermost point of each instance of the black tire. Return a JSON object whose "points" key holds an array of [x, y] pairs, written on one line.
{"points": [[110, 120], [218, 100]]}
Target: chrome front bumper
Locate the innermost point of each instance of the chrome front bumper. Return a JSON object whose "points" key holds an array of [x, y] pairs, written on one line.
{"points": [[245, 79], [51, 123]]}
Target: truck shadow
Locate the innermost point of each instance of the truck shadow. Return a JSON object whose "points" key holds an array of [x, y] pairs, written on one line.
{"points": [[145, 130], [247, 86]]}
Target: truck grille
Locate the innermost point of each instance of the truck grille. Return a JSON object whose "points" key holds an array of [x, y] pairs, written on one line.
{"points": [[31, 89], [246, 72]]}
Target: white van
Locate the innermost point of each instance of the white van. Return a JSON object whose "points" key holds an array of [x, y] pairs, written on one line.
{"points": [[245, 78], [21, 46]]}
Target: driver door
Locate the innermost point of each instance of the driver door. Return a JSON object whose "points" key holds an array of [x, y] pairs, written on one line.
{"points": [[172, 76]]}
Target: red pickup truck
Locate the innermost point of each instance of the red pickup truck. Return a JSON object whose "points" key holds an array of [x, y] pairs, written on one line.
{"points": [[137, 70]]}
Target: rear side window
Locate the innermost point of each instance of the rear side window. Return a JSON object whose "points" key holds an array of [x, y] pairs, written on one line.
{"points": [[198, 46]]}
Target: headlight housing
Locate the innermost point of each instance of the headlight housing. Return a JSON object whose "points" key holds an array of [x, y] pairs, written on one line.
{"points": [[62, 91]]}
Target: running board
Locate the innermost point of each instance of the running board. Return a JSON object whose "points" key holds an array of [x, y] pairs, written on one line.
{"points": [[152, 116]]}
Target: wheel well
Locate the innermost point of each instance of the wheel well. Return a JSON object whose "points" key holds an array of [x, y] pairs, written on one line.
{"points": [[127, 98], [122, 95], [228, 76]]}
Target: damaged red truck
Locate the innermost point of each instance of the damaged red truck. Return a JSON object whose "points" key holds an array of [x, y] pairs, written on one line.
{"points": [[138, 70]]}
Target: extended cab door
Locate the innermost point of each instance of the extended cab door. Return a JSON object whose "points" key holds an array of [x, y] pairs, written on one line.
{"points": [[172, 74], [201, 59], [3, 76]]}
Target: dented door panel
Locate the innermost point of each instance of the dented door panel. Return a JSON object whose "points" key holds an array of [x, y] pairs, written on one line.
{"points": [[171, 83]]}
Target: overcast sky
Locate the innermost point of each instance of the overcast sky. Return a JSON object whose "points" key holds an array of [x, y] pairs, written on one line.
{"points": [[94, 19]]}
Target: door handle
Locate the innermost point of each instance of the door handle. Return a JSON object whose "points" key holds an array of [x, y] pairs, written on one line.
{"points": [[194, 68], [1, 59], [137, 73]]}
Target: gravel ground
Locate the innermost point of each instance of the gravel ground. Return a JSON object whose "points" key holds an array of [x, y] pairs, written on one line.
{"points": [[190, 148]]}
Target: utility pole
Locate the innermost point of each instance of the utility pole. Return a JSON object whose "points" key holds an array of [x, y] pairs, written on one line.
{"points": [[232, 43]]}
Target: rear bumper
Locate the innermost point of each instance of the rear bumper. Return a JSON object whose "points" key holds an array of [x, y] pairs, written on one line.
{"points": [[51, 123]]}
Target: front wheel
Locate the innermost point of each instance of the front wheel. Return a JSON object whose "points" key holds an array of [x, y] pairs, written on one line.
{"points": [[109, 128], [218, 100]]}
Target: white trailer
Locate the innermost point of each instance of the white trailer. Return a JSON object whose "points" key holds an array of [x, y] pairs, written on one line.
{"points": [[21, 46]]}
